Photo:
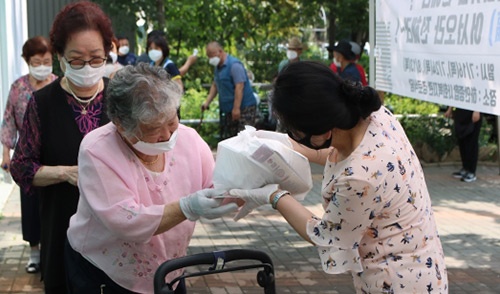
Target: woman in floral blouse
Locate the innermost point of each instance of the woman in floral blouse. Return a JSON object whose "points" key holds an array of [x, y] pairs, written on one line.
{"points": [[38, 56], [56, 120], [378, 222]]}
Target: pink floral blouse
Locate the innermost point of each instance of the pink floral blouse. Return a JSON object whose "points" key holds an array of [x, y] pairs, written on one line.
{"points": [[121, 205], [19, 95], [378, 222]]}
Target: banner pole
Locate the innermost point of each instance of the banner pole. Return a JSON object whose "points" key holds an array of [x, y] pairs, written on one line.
{"points": [[371, 40]]}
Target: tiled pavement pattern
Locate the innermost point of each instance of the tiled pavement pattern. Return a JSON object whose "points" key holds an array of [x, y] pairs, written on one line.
{"points": [[468, 216]]}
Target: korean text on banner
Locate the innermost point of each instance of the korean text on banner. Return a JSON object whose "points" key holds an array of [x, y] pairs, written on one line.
{"points": [[446, 52]]}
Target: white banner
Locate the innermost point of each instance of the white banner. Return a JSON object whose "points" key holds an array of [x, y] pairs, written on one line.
{"points": [[442, 51]]}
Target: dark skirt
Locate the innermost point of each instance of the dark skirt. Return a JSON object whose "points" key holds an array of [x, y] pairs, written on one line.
{"points": [[30, 217]]}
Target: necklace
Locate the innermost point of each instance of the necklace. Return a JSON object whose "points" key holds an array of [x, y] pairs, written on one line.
{"points": [[149, 162], [81, 101]]}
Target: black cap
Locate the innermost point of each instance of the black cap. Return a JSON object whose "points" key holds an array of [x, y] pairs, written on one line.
{"points": [[344, 47]]}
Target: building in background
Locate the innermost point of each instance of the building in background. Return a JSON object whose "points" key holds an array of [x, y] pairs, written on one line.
{"points": [[20, 20]]}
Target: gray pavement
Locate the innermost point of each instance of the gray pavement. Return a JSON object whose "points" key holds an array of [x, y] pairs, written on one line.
{"points": [[468, 217]]}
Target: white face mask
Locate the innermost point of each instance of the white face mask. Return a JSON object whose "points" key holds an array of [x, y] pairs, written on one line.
{"points": [[41, 72], [214, 61], [84, 77], [113, 56], [156, 148], [336, 62], [291, 54], [155, 55], [124, 50]]}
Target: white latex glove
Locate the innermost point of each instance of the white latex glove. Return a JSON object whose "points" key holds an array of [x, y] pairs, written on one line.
{"points": [[202, 204], [253, 198]]}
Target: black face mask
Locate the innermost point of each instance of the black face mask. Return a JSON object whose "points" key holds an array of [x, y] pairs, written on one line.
{"points": [[306, 141]]}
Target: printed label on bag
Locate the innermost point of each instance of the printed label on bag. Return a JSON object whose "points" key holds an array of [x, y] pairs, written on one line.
{"points": [[280, 169]]}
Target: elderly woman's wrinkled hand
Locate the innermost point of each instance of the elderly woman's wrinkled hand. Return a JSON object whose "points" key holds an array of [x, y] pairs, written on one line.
{"points": [[204, 203], [253, 198], [71, 174]]}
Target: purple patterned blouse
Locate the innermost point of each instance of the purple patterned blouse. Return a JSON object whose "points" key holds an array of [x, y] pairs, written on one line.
{"points": [[87, 119], [19, 95]]}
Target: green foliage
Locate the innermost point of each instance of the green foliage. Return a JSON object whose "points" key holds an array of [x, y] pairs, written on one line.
{"points": [[350, 14], [254, 31], [486, 135], [429, 126], [405, 105], [191, 102], [436, 131], [263, 61]]}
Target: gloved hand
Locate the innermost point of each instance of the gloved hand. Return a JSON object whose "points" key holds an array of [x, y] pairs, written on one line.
{"points": [[203, 204], [253, 198]]}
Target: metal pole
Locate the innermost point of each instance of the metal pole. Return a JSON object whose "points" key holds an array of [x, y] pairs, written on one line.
{"points": [[371, 38]]}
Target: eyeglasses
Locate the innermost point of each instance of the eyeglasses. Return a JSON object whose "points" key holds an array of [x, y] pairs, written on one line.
{"points": [[37, 63], [79, 63]]}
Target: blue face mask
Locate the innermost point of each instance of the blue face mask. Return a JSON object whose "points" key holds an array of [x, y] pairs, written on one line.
{"points": [[156, 148]]}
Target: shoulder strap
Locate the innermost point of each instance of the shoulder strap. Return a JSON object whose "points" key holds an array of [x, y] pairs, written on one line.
{"points": [[167, 62]]}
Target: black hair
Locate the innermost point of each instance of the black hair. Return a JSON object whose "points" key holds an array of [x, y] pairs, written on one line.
{"points": [[156, 33], [161, 42], [309, 97]]}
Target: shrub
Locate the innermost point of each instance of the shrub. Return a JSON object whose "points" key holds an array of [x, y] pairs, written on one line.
{"points": [[435, 131], [191, 115], [404, 105]]}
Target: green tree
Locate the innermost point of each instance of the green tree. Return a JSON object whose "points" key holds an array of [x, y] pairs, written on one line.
{"points": [[245, 27]]}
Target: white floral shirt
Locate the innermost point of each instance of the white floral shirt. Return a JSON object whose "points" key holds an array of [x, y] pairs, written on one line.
{"points": [[378, 222]]}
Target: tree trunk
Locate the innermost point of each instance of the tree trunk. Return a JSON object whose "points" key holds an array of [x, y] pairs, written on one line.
{"points": [[331, 27], [160, 13]]}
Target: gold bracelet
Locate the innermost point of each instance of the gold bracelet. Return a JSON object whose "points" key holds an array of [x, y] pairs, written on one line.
{"points": [[277, 197]]}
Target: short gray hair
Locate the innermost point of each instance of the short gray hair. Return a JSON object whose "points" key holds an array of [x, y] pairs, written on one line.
{"points": [[141, 95]]}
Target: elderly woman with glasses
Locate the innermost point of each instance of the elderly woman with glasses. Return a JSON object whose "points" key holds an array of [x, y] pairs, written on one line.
{"points": [[56, 120], [144, 179]]}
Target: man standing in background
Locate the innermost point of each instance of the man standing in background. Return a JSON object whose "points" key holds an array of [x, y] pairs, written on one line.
{"points": [[237, 104], [293, 52], [125, 57]]}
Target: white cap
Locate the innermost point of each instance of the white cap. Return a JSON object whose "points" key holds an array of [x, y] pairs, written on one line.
{"points": [[355, 48]]}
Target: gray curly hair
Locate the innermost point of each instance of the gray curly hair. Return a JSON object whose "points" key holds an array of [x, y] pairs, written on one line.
{"points": [[141, 94]]}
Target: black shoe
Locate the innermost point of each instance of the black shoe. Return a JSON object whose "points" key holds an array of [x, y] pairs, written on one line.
{"points": [[33, 268], [459, 174], [469, 178]]}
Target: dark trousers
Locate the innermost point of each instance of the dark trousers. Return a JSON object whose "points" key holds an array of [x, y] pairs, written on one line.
{"points": [[469, 148], [230, 128], [84, 278]]}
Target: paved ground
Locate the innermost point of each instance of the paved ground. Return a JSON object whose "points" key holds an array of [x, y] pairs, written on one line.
{"points": [[468, 217]]}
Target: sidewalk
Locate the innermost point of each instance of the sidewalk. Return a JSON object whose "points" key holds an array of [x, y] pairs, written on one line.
{"points": [[468, 217]]}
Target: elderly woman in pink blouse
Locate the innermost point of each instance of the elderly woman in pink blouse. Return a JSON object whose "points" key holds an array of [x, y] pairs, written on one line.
{"points": [[38, 56], [144, 179]]}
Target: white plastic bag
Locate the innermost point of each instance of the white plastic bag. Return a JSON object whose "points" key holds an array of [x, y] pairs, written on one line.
{"points": [[253, 159]]}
